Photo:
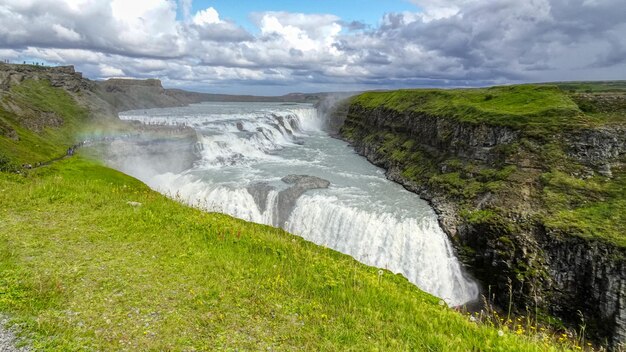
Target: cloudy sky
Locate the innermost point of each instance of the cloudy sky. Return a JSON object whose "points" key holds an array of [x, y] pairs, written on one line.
{"points": [[276, 47]]}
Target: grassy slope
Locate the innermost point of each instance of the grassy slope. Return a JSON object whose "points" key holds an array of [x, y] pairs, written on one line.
{"points": [[83, 269], [592, 86], [592, 208], [523, 106], [80, 269], [37, 97]]}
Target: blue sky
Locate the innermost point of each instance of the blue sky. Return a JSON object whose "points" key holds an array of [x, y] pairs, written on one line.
{"points": [[367, 11]]}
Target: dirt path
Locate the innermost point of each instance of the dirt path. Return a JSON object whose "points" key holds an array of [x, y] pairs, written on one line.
{"points": [[70, 152]]}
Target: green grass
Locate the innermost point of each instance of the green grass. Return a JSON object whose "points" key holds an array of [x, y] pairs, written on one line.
{"points": [[592, 208], [80, 269], [592, 86], [528, 107]]}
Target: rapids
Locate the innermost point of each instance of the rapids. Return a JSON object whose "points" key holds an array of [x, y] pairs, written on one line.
{"points": [[251, 159]]}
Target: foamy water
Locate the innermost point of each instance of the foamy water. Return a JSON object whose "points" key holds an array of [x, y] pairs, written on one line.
{"points": [[246, 146]]}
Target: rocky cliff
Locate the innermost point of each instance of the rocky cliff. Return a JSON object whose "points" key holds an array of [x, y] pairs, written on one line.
{"points": [[62, 76], [529, 186], [131, 94]]}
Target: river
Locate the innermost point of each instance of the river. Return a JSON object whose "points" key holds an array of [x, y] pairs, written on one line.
{"points": [[273, 164]]}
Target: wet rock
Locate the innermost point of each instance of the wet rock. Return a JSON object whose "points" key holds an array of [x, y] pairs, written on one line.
{"points": [[309, 182], [259, 192], [287, 198]]}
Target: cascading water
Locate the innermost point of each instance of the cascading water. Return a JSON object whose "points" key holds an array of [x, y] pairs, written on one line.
{"points": [[272, 164]]}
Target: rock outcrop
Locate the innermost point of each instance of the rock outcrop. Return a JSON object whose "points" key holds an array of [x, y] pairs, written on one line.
{"points": [[61, 76], [599, 148], [66, 78], [287, 197]]}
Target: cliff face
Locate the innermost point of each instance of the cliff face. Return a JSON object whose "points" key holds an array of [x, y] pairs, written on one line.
{"points": [[501, 192], [131, 94], [599, 147], [61, 77], [35, 116], [589, 276]]}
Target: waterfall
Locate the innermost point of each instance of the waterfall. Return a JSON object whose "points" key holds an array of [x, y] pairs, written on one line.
{"points": [[415, 248], [271, 164]]}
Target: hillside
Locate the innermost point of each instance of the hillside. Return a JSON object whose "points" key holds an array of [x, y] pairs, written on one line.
{"points": [[92, 259], [528, 180], [43, 111], [130, 94]]}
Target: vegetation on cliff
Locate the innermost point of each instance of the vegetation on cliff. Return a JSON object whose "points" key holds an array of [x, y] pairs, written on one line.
{"points": [[538, 110], [91, 259], [568, 195], [531, 177], [43, 121]]}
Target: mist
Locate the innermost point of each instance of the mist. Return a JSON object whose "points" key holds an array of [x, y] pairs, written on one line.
{"points": [[332, 109]]}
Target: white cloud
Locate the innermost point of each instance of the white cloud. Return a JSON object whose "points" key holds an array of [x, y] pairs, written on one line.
{"points": [[207, 25], [147, 24], [442, 42], [65, 33], [294, 37], [110, 71], [439, 9], [207, 16], [316, 34], [78, 5], [137, 11]]}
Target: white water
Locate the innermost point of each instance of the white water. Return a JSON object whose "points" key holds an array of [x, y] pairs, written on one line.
{"points": [[361, 214]]}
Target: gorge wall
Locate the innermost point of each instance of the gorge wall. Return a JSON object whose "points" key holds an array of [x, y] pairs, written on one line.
{"points": [[501, 190]]}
